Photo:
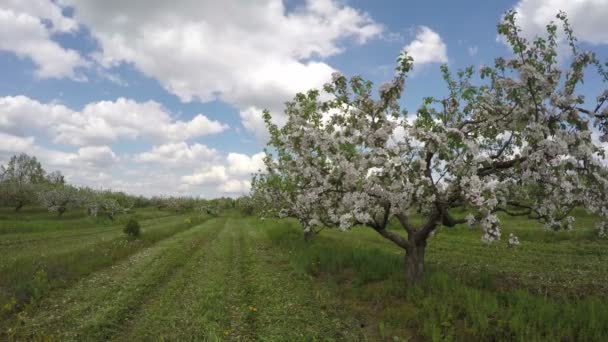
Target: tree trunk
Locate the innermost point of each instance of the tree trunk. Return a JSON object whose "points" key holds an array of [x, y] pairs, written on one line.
{"points": [[414, 263], [19, 206], [308, 234]]}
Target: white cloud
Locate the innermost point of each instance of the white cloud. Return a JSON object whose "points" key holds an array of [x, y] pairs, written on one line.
{"points": [[587, 17], [12, 143], [99, 166], [93, 157], [47, 10], [234, 186], [101, 122], [427, 47], [247, 53], [472, 50], [21, 115], [252, 120], [230, 176], [97, 156], [213, 175], [26, 27], [243, 165], [179, 154]]}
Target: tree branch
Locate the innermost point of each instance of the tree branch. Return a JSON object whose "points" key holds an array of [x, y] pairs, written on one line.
{"points": [[448, 221], [423, 233], [403, 220], [396, 238], [503, 148], [500, 165]]}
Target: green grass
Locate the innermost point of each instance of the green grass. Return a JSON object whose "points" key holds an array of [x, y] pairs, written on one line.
{"points": [[241, 278], [38, 220], [219, 280], [33, 267], [542, 291]]}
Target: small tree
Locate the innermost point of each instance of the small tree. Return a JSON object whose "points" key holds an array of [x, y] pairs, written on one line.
{"points": [[519, 143], [132, 228]]}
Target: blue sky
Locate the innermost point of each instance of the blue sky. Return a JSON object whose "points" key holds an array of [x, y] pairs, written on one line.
{"points": [[156, 97]]}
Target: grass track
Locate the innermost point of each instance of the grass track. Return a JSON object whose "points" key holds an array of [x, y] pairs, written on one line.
{"points": [[96, 307], [62, 262], [239, 288]]}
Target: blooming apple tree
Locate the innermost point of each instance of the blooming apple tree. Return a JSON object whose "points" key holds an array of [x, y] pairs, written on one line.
{"points": [[101, 203], [518, 142], [59, 199]]}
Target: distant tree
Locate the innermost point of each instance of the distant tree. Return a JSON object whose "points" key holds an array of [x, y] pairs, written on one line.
{"points": [[141, 202], [55, 178], [109, 207], [246, 205], [125, 201], [19, 181], [100, 203], [519, 143], [179, 204], [60, 198], [209, 208], [16, 195], [158, 202], [23, 169]]}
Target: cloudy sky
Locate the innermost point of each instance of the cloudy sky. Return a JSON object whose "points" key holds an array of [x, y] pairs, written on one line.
{"points": [[165, 97]]}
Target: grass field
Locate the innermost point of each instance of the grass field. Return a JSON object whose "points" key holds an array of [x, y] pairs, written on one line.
{"points": [[241, 278]]}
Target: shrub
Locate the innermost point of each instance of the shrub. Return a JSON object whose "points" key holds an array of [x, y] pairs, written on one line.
{"points": [[132, 228]]}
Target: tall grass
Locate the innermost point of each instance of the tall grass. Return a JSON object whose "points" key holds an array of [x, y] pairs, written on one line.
{"points": [[443, 307]]}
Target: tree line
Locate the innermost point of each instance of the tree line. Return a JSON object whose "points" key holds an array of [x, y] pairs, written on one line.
{"points": [[24, 182]]}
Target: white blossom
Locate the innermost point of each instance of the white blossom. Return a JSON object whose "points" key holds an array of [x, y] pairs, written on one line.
{"points": [[513, 240]]}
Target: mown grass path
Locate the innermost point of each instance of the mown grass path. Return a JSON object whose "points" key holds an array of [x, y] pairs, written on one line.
{"points": [[97, 306], [239, 288], [30, 270], [16, 250], [221, 280]]}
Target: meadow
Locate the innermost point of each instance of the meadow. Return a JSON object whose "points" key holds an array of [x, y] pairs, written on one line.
{"points": [[235, 277]]}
